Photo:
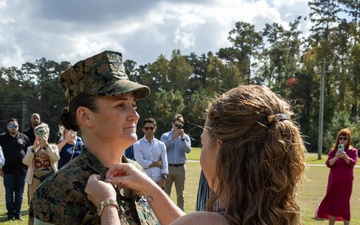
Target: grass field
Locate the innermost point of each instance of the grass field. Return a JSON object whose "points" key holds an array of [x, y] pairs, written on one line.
{"points": [[310, 194]]}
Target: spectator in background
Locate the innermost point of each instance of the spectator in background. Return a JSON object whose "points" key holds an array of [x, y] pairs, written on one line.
{"points": [[177, 144], [69, 146], [150, 153], [341, 160], [14, 145], [41, 159], [129, 152], [203, 193], [2, 162], [35, 120]]}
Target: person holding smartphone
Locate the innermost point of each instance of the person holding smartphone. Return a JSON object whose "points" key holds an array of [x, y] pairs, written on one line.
{"points": [[341, 160], [69, 146], [178, 144], [41, 159]]}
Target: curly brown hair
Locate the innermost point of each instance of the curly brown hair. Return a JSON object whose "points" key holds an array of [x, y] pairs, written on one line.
{"points": [[260, 164]]}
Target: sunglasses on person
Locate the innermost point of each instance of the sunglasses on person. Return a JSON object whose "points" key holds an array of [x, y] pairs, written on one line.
{"points": [[343, 138], [13, 126], [147, 128], [179, 125]]}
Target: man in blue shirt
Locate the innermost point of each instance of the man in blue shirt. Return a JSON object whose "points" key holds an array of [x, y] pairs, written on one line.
{"points": [[150, 153], [177, 144]]}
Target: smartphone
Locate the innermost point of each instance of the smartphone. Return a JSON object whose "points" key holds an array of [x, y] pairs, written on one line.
{"points": [[40, 132], [341, 148]]}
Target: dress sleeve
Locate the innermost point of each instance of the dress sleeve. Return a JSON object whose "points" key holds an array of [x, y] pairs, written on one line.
{"points": [[330, 157], [29, 156], [353, 156], [53, 153]]}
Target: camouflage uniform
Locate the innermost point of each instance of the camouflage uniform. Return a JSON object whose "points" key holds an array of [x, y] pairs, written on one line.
{"points": [[61, 199]]}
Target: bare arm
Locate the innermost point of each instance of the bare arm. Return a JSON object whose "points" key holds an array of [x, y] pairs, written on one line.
{"points": [[70, 138], [61, 145], [110, 216], [333, 160], [98, 191], [126, 175]]}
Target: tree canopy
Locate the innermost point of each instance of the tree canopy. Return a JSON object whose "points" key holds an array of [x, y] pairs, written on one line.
{"points": [[277, 56]]}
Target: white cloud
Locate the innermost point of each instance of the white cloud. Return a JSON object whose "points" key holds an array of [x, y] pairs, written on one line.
{"points": [[72, 30]]}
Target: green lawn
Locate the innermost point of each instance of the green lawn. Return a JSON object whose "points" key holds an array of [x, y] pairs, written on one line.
{"points": [[310, 194]]}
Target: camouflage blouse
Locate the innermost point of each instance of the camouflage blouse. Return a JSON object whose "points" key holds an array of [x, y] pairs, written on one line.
{"points": [[61, 198]]}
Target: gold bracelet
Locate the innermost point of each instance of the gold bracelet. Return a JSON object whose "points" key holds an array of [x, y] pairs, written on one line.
{"points": [[105, 203]]}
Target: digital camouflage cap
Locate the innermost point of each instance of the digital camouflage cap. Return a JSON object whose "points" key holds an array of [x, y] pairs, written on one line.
{"points": [[102, 75]]}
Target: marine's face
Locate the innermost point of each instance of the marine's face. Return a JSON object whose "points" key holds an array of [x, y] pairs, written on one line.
{"points": [[116, 119]]}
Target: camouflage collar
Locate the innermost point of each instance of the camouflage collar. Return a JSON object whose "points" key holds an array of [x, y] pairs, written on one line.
{"points": [[94, 163]]}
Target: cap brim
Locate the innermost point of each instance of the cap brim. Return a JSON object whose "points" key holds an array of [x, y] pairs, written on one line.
{"points": [[123, 87]]}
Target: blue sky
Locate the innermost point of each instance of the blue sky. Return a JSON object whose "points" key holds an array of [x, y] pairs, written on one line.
{"points": [[68, 30]]}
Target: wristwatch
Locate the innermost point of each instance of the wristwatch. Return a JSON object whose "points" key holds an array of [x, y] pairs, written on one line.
{"points": [[105, 203], [164, 177]]}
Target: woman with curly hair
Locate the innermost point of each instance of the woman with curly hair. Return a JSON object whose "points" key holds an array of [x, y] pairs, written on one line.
{"points": [[253, 158]]}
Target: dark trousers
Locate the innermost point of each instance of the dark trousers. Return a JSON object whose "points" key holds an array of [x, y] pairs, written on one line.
{"points": [[14, 193]]}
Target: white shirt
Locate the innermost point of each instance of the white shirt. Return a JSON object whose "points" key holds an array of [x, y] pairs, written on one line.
{"points": [[146, 152], [2, 158]]}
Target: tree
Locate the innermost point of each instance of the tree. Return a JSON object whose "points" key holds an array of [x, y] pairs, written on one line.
{"points": [[323, 13], [279, 59], [179, 73], [47, 99], [246, 42]]}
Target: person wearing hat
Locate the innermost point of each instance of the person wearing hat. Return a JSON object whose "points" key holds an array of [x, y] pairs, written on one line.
{"points": [[102, 109]]}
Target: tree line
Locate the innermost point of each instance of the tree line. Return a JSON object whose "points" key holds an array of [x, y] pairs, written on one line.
{"points": [[277, 56]]}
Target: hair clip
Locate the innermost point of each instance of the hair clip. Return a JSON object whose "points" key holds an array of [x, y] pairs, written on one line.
{"points": [[277, 117]]}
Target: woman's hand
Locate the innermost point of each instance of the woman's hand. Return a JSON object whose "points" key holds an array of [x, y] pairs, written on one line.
{"points": [[70, 137], [126, 175], [339, 154], [98, 190], [40, 142], [345, 157]]}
